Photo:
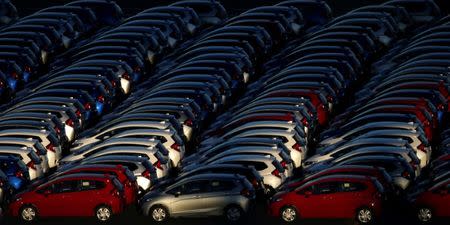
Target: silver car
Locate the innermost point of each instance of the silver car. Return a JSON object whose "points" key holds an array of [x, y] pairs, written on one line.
{"points": [[201, 195]]}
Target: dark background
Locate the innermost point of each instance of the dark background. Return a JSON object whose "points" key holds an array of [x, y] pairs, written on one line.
{"points": [[396, 214]]}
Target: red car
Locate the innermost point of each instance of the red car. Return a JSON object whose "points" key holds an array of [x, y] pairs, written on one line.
{"points": [[434, 202], [336, 196], [379, 173], [123, 174], [74, 195]]}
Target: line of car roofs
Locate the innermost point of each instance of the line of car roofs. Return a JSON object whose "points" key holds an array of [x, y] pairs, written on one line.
{"points": [[160, 105], [390, 125]]}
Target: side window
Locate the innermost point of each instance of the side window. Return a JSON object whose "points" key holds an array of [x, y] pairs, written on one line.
{"points": [[87, 185], [327, 188], [221, 185], [195, 187], [353, 187], [66, 186], [306, 189]]}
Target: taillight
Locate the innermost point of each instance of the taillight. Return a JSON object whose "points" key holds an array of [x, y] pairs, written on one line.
{"points": [[421, 147], [114, 84], [58, 131], [137, 69], [15, 75], [116, 193], [175, 146], [31, 165], [405, 174], [50, 147], [330, 98], [276, 173], [440, 106], [126, 76], [158, 165], [297, 147], [69, 122], [284, 164], [245, 192], [305, 122], [129, 184], [146, 174], [255, 182], [28, 69], [378, 195], [87, 106], [101, 99], [19, 174], [78, 113], [188, 122]]}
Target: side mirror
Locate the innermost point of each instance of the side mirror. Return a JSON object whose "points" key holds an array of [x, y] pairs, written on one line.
{"points": [[177, 194]]}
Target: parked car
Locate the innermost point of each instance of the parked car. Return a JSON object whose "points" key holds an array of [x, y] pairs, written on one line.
{"points": [[218, 194], [335, 196], [100, 196]]}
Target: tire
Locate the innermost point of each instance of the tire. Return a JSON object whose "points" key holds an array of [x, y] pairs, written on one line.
{"points": [[103, 213], [364, 216], [233, 214], [159, 214], [288, 214], [424, 214], [28, 214]]}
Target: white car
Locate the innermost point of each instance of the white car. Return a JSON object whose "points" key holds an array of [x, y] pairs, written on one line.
{"points": [[29, 157]]}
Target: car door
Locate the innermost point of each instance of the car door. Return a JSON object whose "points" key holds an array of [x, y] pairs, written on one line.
{"points": [[87, 197], [325, 195], [348, 196], [189, 201], [441, 200], [65, 196], [217, 196], [56, 200]]}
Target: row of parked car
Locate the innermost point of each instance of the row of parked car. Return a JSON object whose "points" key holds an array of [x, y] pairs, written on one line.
{"points": [[31, 43], [378, 146], [430, 193], [83, 82], [186, 89], [253, 91]]}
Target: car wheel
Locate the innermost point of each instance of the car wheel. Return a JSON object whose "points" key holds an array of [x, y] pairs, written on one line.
{"points": [[28, 214], [288, 214], [424, 214], [233, 213], [364, 216], [159, 213], [103, 213]]}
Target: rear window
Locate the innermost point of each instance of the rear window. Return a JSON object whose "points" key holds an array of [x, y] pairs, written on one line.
{"points": [[34, 157], [117, 184], [130, 175], [378, 186], [278, 166]]}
